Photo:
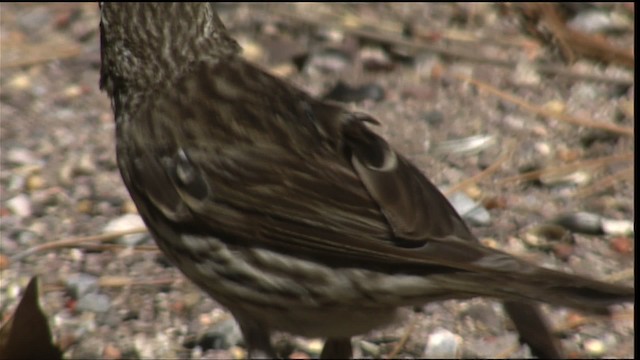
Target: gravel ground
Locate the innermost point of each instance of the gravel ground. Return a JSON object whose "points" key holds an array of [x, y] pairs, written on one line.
{"points": [[122, 299]]}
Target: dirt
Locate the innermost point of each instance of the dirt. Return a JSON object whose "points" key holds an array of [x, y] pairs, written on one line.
{"points": [[59, 178]]}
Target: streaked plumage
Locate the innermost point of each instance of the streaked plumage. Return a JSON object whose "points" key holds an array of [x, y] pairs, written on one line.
{"points": [[286, 209]]}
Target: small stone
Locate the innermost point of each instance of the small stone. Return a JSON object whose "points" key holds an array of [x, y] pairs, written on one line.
{"points": [[299, 355], [581, 222], [13, 291], [72, 91], [343, 92], [526, 74], [76, 255], [622, 245], [35, 182], [596, 21], [543, 148], [94, 302], [313, 346], [563, 251], [495, 202], [238, 352], [65, 173], [326, 61], [84, 206], [443, 344], [81, 284], [21, 156], [594, 347], [20, 205], [543, 234], [473, 191], [370, 349], [225, 334], [617, 227], [374, 59], [127, 222], [433, 117], [20, 82], [111, 352], [86, 165], [4, 262], [555, 106], [470, 210]]}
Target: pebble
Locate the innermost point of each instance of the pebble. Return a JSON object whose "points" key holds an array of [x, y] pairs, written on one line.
{"points": [[370, 349], [20, 82], [111, 352], [13, 291], [35, 182], [526, 74], [374, 59], [84, 206], [346, 93], [594, 347], [443, 344], [563, 251], [327, 61], [433, 117], [16, 183], [81, 284], [94, 302], [299, 355], [20, 205], [470, 210], [617, 227], [65, 173], [543, 148], [86, 165], [127, 222], [541, 235], [310, 346], [72, 91], [555, 106], [622, 245], [581, 222], [22, 156], [4, 262], [238, 352], [223, 335], [596, 21]]}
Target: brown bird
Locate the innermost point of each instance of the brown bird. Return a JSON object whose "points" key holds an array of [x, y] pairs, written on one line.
{"points": [[288, 210]]}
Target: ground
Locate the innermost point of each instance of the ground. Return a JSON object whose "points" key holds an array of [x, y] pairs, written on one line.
{"points": [[59, 178]]}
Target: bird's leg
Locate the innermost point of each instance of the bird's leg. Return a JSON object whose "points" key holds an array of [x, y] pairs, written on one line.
{"points": [[257, 339], [337, 348], [534, 330]]}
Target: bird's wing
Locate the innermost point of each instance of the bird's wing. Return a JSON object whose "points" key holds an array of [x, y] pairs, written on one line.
{"points": [[231, 166], [235, 152], [217, 157]]}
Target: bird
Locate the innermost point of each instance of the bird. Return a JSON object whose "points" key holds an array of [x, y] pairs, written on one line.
{"points": [[289, 210]]}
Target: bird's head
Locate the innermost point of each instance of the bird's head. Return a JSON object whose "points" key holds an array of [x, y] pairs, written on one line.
{"points": [[143, 44]]}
